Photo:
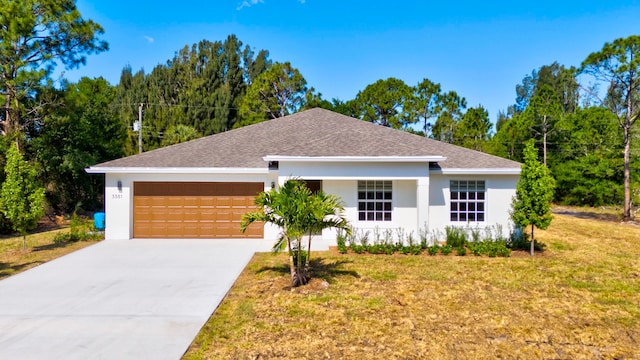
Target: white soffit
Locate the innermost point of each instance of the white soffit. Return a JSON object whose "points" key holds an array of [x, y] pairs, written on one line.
{"points": [[479, 171]]}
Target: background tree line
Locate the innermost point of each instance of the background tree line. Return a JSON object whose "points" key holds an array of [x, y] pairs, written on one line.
{"points": [[584, 134]]}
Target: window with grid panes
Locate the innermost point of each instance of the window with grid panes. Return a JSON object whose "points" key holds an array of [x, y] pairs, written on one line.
{"points": [[467, 200], [374, 200]]}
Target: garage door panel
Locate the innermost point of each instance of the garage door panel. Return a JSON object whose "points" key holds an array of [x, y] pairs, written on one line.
{"points": [[207, 201], [143, 214], [143, 229], [142, 201], [225, 216], [236, 215], [190, 230], [156, 228], [172, 214], [173, 231], [237, 201], [192, 210], [207, 229], [189, 213], [156, 201], [192, 201], [158, 214], [207, 214], [168, 201], [223, 202], [226, 228]]}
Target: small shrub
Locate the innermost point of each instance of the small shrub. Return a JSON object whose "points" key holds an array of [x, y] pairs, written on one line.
{"points": [[390, 249], [359, 242], [499, 233], [475, 235], [411, 244], [519, 240], [376, 249], [433, 249], [358, 249], [363, 239], [80, 230], [414, 249], [424, 236], [488, 234], [388, 236], [456, 237], [476, 248], [400, 238], [383, 243], [446, 249], [492, 252], [376, 236], [341, 241], [76, 225], [407, 244], [434, 236], [62, 237], [503, 251]]}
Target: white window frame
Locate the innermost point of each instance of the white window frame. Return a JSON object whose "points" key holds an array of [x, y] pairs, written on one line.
{"points": [[375, 200], [467, 201]]}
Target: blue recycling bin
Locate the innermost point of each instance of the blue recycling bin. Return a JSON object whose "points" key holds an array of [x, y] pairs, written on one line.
{"points": [[98, 220]]}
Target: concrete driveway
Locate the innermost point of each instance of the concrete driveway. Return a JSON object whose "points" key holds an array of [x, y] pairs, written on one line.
{"points": [[119, 299]]}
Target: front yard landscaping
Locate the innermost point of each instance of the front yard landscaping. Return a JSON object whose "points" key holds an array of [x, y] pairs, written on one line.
{"points": [[41, 247], [580, 299]]}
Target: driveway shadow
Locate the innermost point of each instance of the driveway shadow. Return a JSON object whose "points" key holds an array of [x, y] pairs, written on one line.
{"points": [[6, 269], [52, 246]]}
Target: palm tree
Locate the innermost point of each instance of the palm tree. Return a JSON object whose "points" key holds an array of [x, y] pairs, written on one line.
{"points": [[297, 211]]}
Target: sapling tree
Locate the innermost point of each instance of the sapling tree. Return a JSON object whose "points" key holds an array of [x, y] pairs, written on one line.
{"points": [[21, 199], [534, 192]]}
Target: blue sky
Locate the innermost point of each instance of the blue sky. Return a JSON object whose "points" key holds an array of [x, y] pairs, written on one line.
{"points": [[480, 49]]}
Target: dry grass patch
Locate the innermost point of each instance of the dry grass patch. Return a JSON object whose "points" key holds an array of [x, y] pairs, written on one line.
{"points": [[580, 300], [40, 249]]}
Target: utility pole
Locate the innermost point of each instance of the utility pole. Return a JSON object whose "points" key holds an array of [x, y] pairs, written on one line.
{"points": [[140, 128]]}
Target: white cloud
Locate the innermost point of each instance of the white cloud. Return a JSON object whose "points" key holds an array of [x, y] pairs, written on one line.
{"points": [[149, 39], [249, 3]]}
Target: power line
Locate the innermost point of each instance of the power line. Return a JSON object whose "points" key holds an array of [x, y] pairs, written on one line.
{"points": [[176, 106]]}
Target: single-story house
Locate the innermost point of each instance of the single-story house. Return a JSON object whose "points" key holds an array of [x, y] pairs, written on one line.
{"points": [[387, 179]]}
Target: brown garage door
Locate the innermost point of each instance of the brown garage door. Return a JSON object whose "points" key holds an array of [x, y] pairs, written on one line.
{"points": [[193, 210]]}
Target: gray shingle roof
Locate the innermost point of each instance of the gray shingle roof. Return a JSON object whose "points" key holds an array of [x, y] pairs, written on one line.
{"points": [[315, 132]]}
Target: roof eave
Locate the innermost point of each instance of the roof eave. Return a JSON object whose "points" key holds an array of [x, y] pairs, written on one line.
{"points": [[403, 159], [174, 170]]}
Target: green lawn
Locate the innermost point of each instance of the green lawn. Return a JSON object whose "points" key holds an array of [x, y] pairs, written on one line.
{"points": [[40, 249], [580, 299]]}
